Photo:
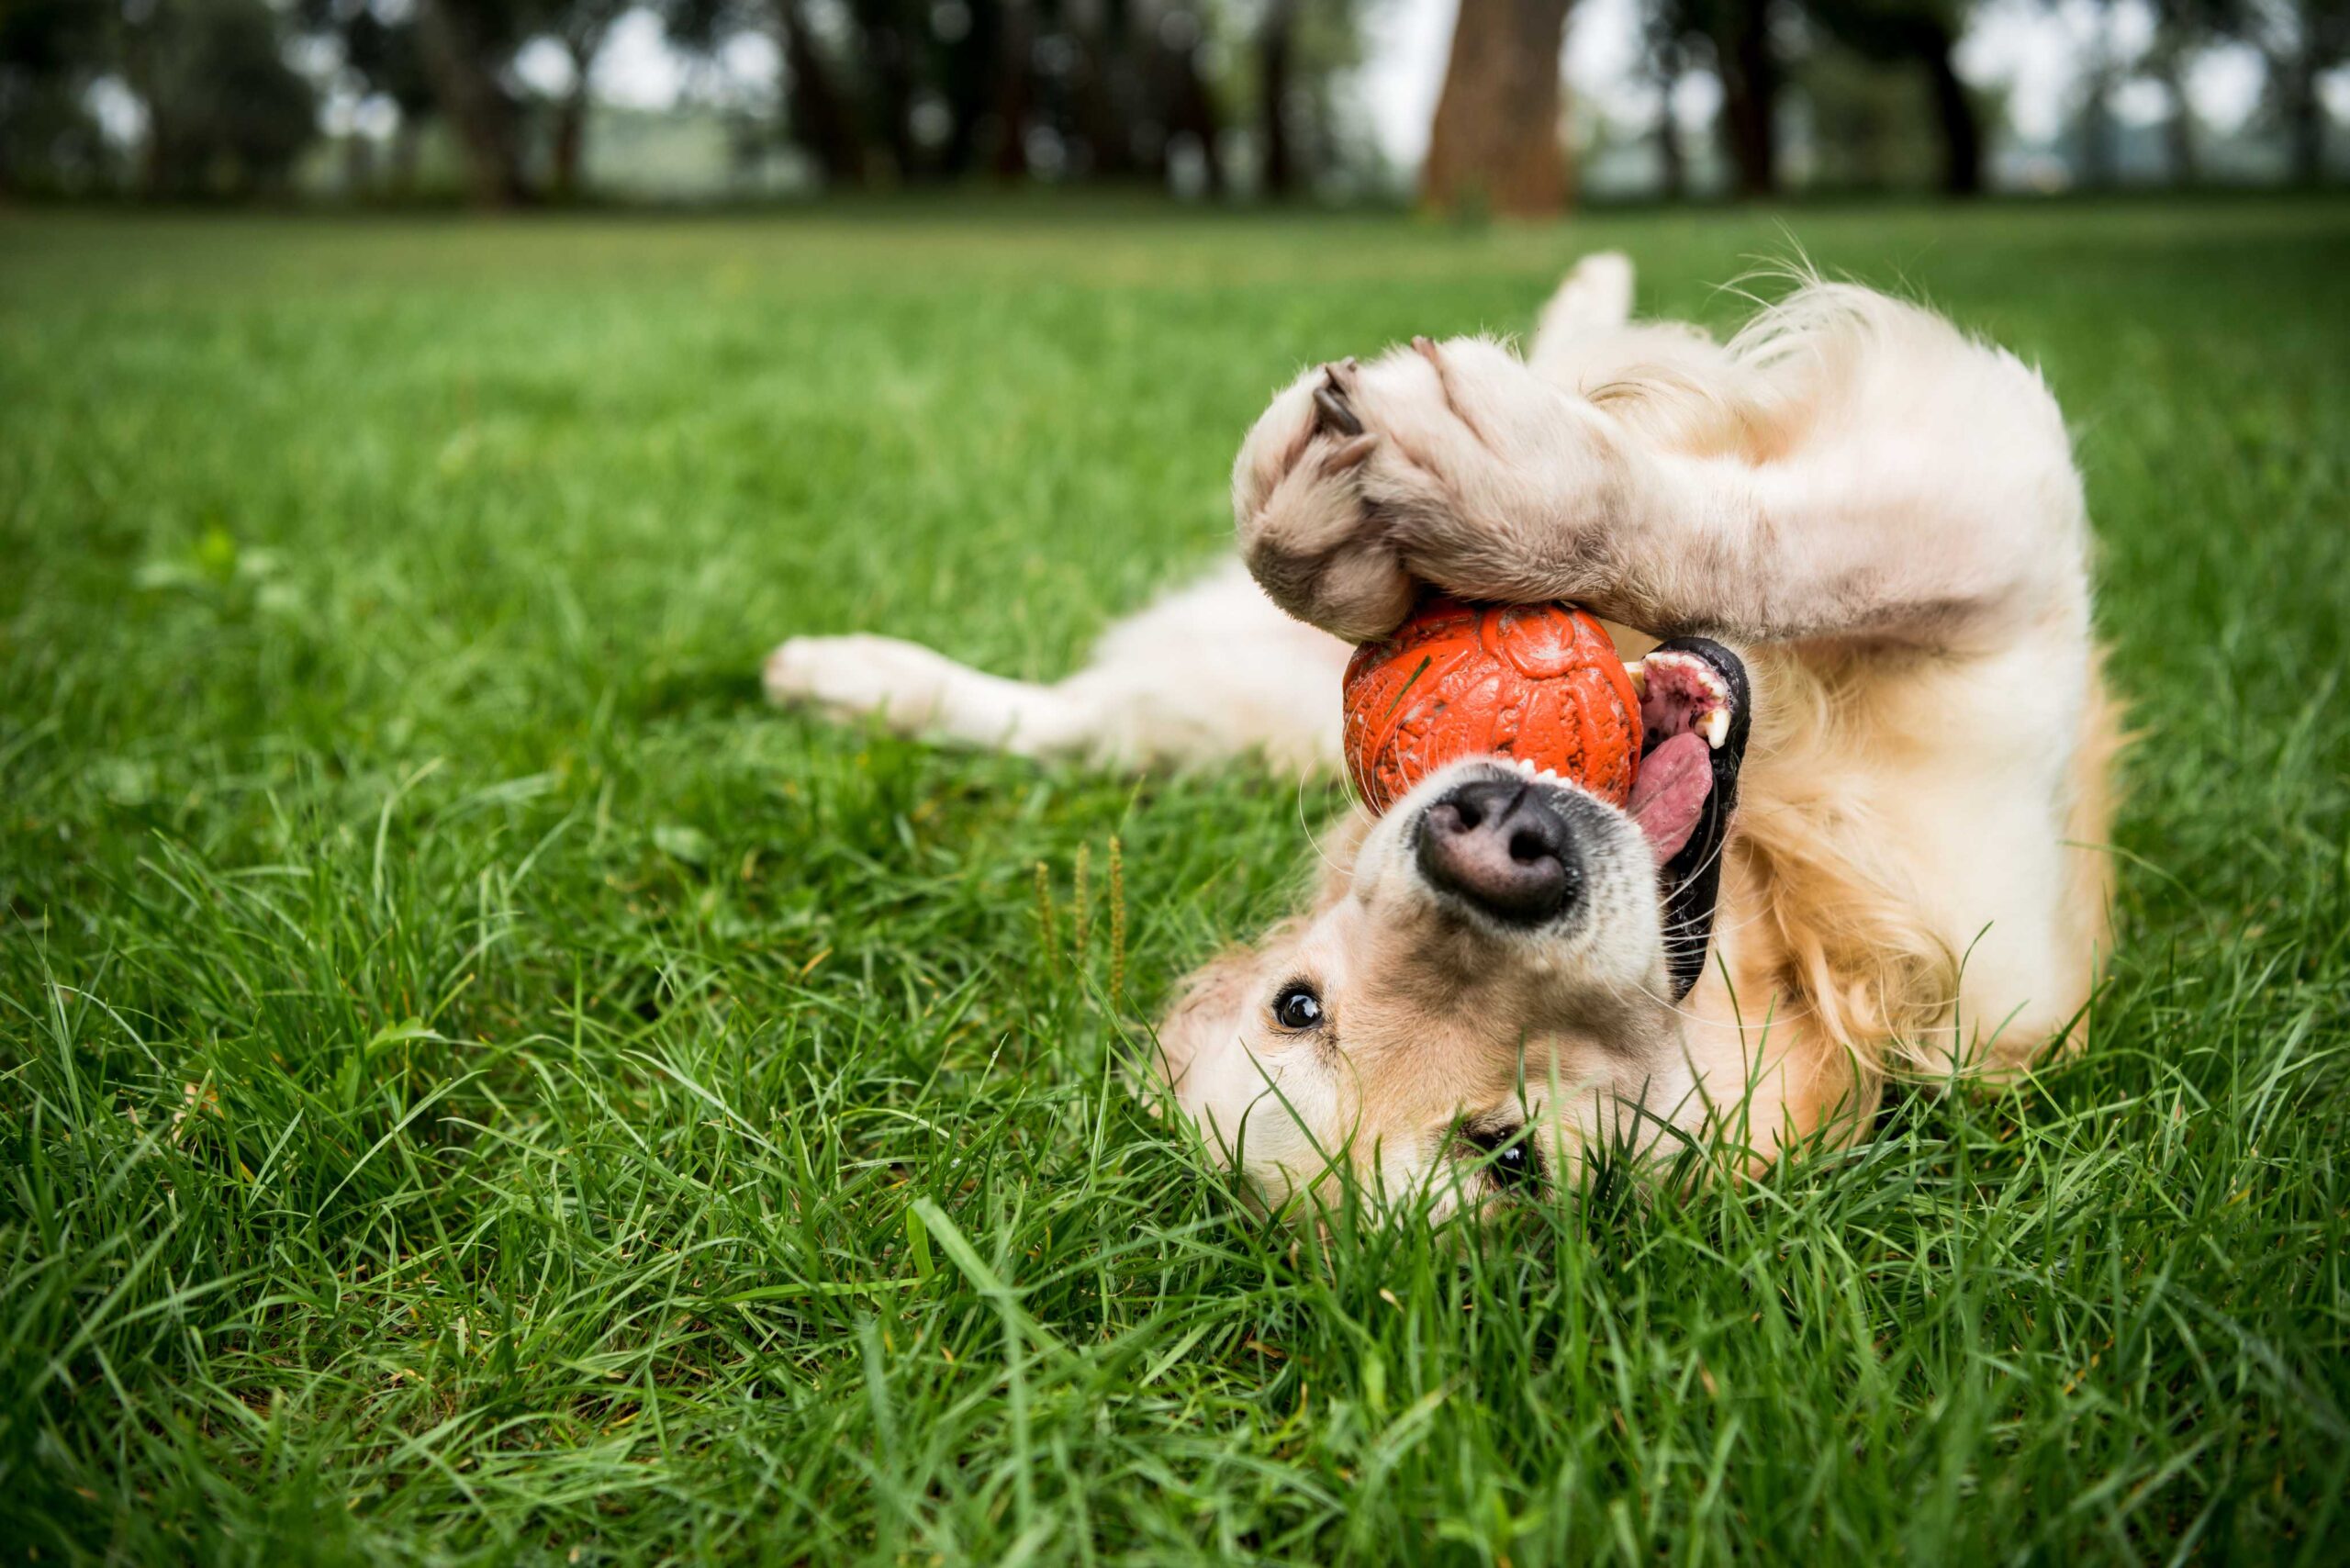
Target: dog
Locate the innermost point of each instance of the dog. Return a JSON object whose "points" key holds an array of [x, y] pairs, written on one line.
{"points": [[1848, 549]]}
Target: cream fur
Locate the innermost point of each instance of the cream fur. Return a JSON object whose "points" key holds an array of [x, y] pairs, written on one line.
{"points": [[1881, 514]]}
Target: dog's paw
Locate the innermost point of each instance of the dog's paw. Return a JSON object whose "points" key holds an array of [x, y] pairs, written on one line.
{"points": [[1451, 464], [852, 676]]}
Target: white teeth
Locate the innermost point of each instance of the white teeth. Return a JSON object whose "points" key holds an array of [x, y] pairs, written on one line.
{"points": [[1640, 674], [1704, 679]]}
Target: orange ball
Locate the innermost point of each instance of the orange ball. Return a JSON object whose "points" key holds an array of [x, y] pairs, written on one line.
{"points": [[1539, 683]]}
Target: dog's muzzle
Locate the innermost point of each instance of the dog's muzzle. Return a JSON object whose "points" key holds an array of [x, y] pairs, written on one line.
{"points": [[1502, 847]]}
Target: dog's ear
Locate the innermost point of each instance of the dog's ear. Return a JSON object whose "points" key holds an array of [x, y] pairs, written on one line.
{"points": [[1335, 848], [1211, 1005]]}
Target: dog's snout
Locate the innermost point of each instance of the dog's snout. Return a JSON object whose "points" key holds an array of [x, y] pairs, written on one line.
{"points": [[1500, 845]]}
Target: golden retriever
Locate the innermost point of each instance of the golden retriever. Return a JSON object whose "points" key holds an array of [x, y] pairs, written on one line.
{"points": [[1861, 538]]}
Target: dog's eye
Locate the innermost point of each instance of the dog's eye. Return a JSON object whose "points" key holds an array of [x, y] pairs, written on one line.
{"points": [[1297, 1007], [1511, 1159]]}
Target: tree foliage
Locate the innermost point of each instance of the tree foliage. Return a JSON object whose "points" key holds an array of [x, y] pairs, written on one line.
{"points": [[1188, 95], [225, 113]]}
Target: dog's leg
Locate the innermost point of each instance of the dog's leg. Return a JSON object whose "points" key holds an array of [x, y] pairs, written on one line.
{"points": [[1211, 670], [1865, 473], [916, 690], [1593, 302]]}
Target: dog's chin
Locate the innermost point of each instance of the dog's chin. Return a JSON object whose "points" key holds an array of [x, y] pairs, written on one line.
{"points": [[1526, 947]]}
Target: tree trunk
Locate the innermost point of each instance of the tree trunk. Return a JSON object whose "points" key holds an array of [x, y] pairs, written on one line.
{"points": [[1275, 44], [819, 116], [2098, 78], [1495, 140], [1672, 166], [889, 77], [2304, 119], [1106, 92], [570, 144], [407, 141], [967, 77], [154, 152], [1749, 73], [1962, 132], [465, 81], [2178, 127], [358, 166], [1192, 112], [1666, 68], [1014, 91], [2097, 171], [582, 43]]}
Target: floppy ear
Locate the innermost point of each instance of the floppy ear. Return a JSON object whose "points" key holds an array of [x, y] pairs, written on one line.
{"points": [[1335, 848], [1210, 1005]]}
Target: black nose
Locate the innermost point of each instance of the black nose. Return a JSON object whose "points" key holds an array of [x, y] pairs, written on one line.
{"points": [[1500, 845]]}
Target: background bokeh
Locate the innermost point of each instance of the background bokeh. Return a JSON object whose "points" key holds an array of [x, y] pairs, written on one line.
{"points": [[506, 102]]}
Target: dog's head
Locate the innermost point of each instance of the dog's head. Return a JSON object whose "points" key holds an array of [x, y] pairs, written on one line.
{"points": [[1470, 1002]]}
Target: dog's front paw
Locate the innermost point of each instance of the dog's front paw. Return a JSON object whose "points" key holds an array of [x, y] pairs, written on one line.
{"points": [[1305, 529], [1447, 464], [852, 676]]}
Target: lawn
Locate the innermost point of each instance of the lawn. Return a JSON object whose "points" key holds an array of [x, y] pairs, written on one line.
{"points": [[476, 1085]]}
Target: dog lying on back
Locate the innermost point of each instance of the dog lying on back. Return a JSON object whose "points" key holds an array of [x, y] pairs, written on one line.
{"points": [[1863, 538]]}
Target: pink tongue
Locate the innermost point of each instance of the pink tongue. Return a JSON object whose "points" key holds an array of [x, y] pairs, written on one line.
{"points": [[1671, 789]]}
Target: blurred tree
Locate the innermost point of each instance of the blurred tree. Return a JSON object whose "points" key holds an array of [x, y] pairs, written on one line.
{"points": [[2301, 41], [1736, 39], [1301, 48], [892, 36], [971, 50], [1015, 93], [1926, 33], [1869, 126], [2182, 28], [822, 119], [50, 50], [1106, 90], [1187, 108], [581, 27], [468, 49], [1666, 29], [1746, 58], [226, 115], [1276, 51], [2095, 136], [1497, 140], [381, 57], [906, 91]]}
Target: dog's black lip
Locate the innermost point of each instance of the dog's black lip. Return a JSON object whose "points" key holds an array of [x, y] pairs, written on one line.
{"points": [[1691, 880], [1490, 1137]]}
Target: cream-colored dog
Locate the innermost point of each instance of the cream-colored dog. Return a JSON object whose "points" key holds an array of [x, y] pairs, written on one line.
{"points": [[1887, 860]]}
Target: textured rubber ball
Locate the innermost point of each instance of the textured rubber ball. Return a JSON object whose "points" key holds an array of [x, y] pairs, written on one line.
{"points": [[1537, 683]]}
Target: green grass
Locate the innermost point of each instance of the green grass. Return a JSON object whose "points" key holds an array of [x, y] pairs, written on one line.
{"points": [[475, 1085]]}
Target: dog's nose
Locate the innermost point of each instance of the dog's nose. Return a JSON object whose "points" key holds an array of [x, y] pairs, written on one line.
{"points": [[1500, 845]]}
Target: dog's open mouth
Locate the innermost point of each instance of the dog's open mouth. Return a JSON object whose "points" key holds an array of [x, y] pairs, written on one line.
{"points": [[1686, 706], [1695, 707]]}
